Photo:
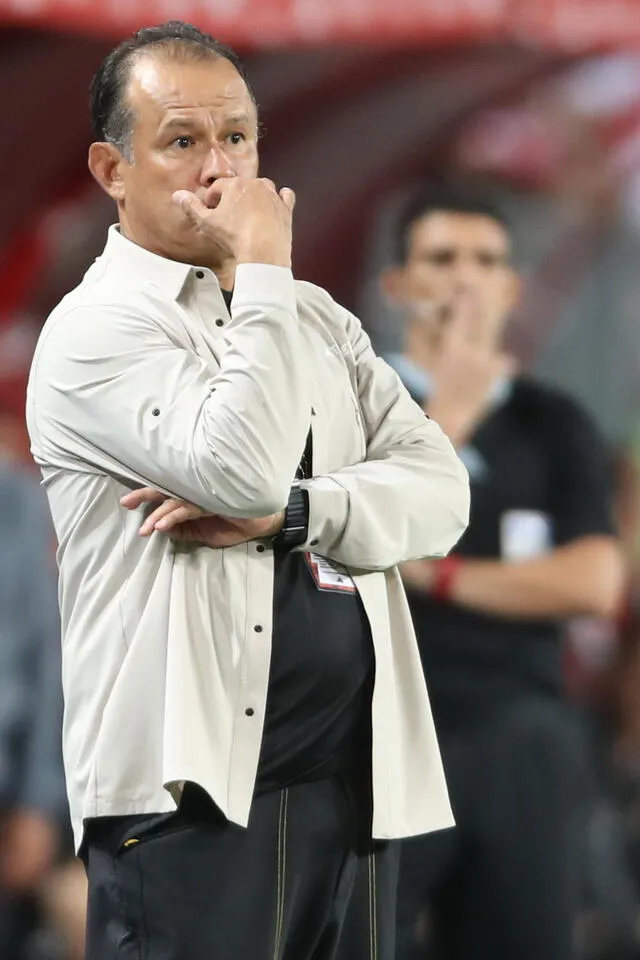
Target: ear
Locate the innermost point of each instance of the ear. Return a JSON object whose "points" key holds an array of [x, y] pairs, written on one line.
{"points": [[391, 283], [106, 165]]}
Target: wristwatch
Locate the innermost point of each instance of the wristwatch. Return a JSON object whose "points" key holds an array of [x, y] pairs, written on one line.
{"points": [[295, 527]]}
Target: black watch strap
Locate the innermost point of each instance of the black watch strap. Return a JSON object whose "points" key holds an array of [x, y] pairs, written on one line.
{"points": [[296, 520]]}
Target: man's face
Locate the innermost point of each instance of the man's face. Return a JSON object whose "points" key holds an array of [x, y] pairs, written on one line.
{"points": [[458, 258], [192, 123]]}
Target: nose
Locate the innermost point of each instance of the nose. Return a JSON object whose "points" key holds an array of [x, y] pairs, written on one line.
{"points": [[216, 165], [467, 274]]}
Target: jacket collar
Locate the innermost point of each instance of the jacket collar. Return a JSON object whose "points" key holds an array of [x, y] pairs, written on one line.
{"points": [[169, 276]]}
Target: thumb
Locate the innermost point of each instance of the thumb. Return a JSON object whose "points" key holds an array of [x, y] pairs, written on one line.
{"points": [[464, 320], [288, 197], [194, 208]]}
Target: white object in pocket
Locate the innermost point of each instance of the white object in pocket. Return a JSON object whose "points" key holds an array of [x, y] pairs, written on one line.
{"points": [[525, 534]]}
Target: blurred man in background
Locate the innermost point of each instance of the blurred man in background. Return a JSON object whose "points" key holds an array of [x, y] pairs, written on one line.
{"points": [[539, 549], [32, 791]]}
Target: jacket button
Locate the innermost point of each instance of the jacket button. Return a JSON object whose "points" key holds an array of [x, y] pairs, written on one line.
{"points": [[200, 274], [258, 628], [219, 322], [260, 548], [313, 543], [249, 711]]}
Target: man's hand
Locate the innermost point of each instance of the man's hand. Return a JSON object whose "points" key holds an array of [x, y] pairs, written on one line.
{"points": [[465, 369], [187, 522], [248, 219]]}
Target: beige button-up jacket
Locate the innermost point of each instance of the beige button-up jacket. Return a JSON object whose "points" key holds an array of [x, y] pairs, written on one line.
{"points": [[141, 376]]}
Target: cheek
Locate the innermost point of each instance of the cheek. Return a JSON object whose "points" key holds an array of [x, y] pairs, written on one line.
{"points": [[501, 296], [151, 199], [247, 165], [167, 173], [426, 282], [143, 182]]}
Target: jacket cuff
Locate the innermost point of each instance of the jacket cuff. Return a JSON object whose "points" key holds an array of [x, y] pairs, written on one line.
{"points": [[296, 520], [260, 284]]}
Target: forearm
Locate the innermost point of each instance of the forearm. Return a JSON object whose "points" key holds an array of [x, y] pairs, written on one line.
{"points": [[375, 514], [260, 409], [576, 580], [409, 497]]}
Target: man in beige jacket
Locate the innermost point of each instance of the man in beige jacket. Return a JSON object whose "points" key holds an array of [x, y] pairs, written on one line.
{"points": [[232, 761]]}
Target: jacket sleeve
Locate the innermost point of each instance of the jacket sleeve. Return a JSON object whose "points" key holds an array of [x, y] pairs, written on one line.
{"points": [[112, 392], [408, 499]]}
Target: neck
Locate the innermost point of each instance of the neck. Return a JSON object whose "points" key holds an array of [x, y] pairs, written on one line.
{"points": [[226, 274]]}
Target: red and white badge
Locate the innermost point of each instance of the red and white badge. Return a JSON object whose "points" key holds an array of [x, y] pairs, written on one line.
{"points": [[329, 575]]}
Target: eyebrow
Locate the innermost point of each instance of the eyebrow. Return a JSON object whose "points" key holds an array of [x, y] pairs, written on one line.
{"points": [[177, 122], [238, 118], [454, 250]]}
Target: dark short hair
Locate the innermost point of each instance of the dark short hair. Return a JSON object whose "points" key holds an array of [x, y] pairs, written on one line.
{"points": [[110, 114], [447, 197]]}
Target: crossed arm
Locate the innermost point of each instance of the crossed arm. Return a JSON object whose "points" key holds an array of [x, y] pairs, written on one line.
{"points": [[230, 442]]}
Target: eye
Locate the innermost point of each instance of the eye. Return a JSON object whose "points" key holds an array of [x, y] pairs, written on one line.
{"points": [[183, 142], [440, 258], [490, 261], [236, 138]]}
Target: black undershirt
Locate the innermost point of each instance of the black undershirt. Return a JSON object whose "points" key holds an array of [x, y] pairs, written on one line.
{"points": [[537, 451], [318, 714]]}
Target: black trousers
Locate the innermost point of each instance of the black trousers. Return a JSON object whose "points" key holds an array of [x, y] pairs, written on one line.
{"points": [[18, 921], [192, 886], [504, 884]]}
